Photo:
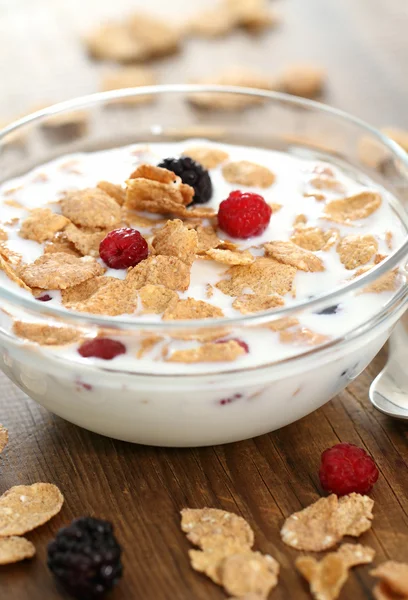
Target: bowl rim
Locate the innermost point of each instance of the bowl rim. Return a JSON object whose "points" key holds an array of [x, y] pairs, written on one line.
{"points": [[256, 319]]}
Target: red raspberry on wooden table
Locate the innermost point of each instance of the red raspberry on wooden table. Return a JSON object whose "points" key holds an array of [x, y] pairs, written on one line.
{"points": [[123, 248], [104, 348], [346, 468], [244, 215]]}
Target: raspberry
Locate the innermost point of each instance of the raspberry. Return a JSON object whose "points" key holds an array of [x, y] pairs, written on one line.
{"points": [[243, 345], [104, 348], [85, 558], [191, 173], [44, 298], [243, 215], [123, 248], [346, 468]]}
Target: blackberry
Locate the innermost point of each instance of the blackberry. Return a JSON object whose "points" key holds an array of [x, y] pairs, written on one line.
{"points": [[85, 558], [192, 173]]}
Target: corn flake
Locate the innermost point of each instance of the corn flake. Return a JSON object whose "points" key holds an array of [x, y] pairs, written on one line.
{"points": [[249, 572], [394, 575], [14, 548], [59, 271], [3, 235], [45, 335], [211, 527], [302, 336], [111, 297], [129, 77], [247, 173], [326, 578], [92, 208], [386, 283], [231, 257], [113, 190], [303, 80], [3, 437], [174, 239], [265, 276], [192, 309], [209, 352], [356, 250], [289, 253], [11, 273], [156, 298], [211, 23], [251, 303], [352, 208], [253, 15], [25, 507], [85, 240], [208, 157], [314, 238], [59, 245], [42, 224], [169, 271]]}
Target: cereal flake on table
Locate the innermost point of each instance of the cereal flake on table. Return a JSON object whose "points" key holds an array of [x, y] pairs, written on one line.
{"points": [[14, 549], [25, 507], [4, 436], [129, 77], [305, 80], [327, 576], [324, 523], [393, 583]]}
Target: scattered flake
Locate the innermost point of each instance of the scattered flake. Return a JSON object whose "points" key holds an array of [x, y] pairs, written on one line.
{"points": [[275, 206], [302, 336], [83, 291], [148, 344], [14, 548], [356, 250], [111, 297], [316, 196], [134, 219], [157, 190], [85, 240], [379, 258], [192, 309], [209, 560], [59, 271], [211, 527], [265, 276], [11, 257], [236, 76], [254, 15], [314, 238], [174, 239], [299, 220], [372, 152], [46, 335], [303, 80], [139, 37], [206, 238], [382, 591], [91, 208], [3, 437], [326, 182], [13, 203], [169, 271], [231, 257], [314, 528], [25, 507], [9, 269], [156, 298], [130, 77], [248, 597], [209, 352], [61, 245], [249, 572], [360, 206], [386, 283], [209, 290], [209, 157], [394, 575], [388, 239], [40, 178], [400, 136], [289, 253], [247, 173], [113, 190], [251, 303], [355, 554], [355, 514], [326, 578], [211, 23], [3, 235], [71, 167], [282, 324]]}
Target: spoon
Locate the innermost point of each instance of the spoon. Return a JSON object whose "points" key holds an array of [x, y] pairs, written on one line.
{"points": [[389, 390]]}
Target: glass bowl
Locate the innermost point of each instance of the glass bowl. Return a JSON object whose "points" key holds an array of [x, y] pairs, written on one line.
{"points": [[207, 403]]}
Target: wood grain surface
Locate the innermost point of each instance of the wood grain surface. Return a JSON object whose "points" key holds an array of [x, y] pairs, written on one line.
{"points": [[141, 489]]}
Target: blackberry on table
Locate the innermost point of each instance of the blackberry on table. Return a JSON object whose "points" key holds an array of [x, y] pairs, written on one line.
{"points": [[193, 174], [85, 558]]}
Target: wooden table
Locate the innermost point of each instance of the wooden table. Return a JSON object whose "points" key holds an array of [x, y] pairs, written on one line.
{"points": [[141, 489]]}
